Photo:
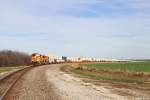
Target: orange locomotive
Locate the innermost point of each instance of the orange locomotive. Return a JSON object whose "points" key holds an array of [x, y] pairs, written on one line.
{"points": [[39, 59]]}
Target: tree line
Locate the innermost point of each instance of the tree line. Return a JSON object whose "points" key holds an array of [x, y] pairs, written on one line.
{"points": [[10, 58]]}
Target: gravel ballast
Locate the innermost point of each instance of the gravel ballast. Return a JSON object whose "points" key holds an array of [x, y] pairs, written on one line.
{"points": [[33, 86]]}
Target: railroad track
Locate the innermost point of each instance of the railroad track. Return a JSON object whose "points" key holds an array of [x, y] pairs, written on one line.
{"points": [[10, 80]]}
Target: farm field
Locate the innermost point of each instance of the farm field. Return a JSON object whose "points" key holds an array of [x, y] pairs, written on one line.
{"points": [[121, 66]]}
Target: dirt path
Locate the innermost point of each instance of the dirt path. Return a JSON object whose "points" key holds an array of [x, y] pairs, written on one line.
{"points": [[72, 88]]}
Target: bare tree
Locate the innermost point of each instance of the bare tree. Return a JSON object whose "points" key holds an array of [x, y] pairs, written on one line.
{"points": [[13, 58]]}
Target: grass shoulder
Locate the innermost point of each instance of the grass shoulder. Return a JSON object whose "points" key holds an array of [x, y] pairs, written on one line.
{"points": [[7, 69]]}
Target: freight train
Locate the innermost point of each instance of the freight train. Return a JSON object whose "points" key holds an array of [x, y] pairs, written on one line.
{"points": [[38, 59]]}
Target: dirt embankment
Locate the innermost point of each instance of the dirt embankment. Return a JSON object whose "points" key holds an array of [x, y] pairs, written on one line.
{"points": [[69, 87], [122, 84]]}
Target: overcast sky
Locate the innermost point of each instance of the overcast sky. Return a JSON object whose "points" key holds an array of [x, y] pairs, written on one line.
{"points": [[88, 28]]}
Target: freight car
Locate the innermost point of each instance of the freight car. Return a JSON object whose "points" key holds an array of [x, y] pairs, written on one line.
{"points": [[38, 59]]}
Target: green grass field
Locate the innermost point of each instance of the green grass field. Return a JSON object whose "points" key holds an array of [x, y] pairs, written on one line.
{"points": [[6, 69], [122, 66], [125, 72]]}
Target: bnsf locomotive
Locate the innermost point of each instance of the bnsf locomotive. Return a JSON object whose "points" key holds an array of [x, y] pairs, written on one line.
{"points": [[39, 59]]}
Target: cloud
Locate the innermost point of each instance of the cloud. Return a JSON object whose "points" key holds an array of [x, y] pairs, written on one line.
{"points": [[79, 8], [63, 26], [98, 28]]}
